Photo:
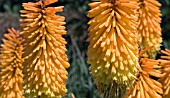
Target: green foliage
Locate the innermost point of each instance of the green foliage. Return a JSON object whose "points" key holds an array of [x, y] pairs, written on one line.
{"points": [[79, 82], [166, 22]]}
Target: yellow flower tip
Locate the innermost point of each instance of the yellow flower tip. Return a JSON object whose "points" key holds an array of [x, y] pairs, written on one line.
{"points": [[165, 63], [145, 86], [113, 37], [11, 77], [149, 26], [45, 59], [142, 51], [146, 53]]}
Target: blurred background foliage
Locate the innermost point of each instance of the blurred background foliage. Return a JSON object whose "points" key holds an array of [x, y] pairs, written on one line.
{"points": [[79, 82]]}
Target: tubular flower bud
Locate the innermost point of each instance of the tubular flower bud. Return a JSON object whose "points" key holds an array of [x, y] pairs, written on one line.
{"points": [[149, 26], [11, 77], [165, 80], [113, 49], [145, 86], [44, 67]]}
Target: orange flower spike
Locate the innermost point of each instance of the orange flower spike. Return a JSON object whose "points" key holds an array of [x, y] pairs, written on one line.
{"points": [[165, 80], [113, 49], [145, 86], [149, 26], [44, 67], [110, 48], [11, 77]]}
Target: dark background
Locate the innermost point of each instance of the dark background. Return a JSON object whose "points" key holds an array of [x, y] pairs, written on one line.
{"points": [[75, 11]]}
